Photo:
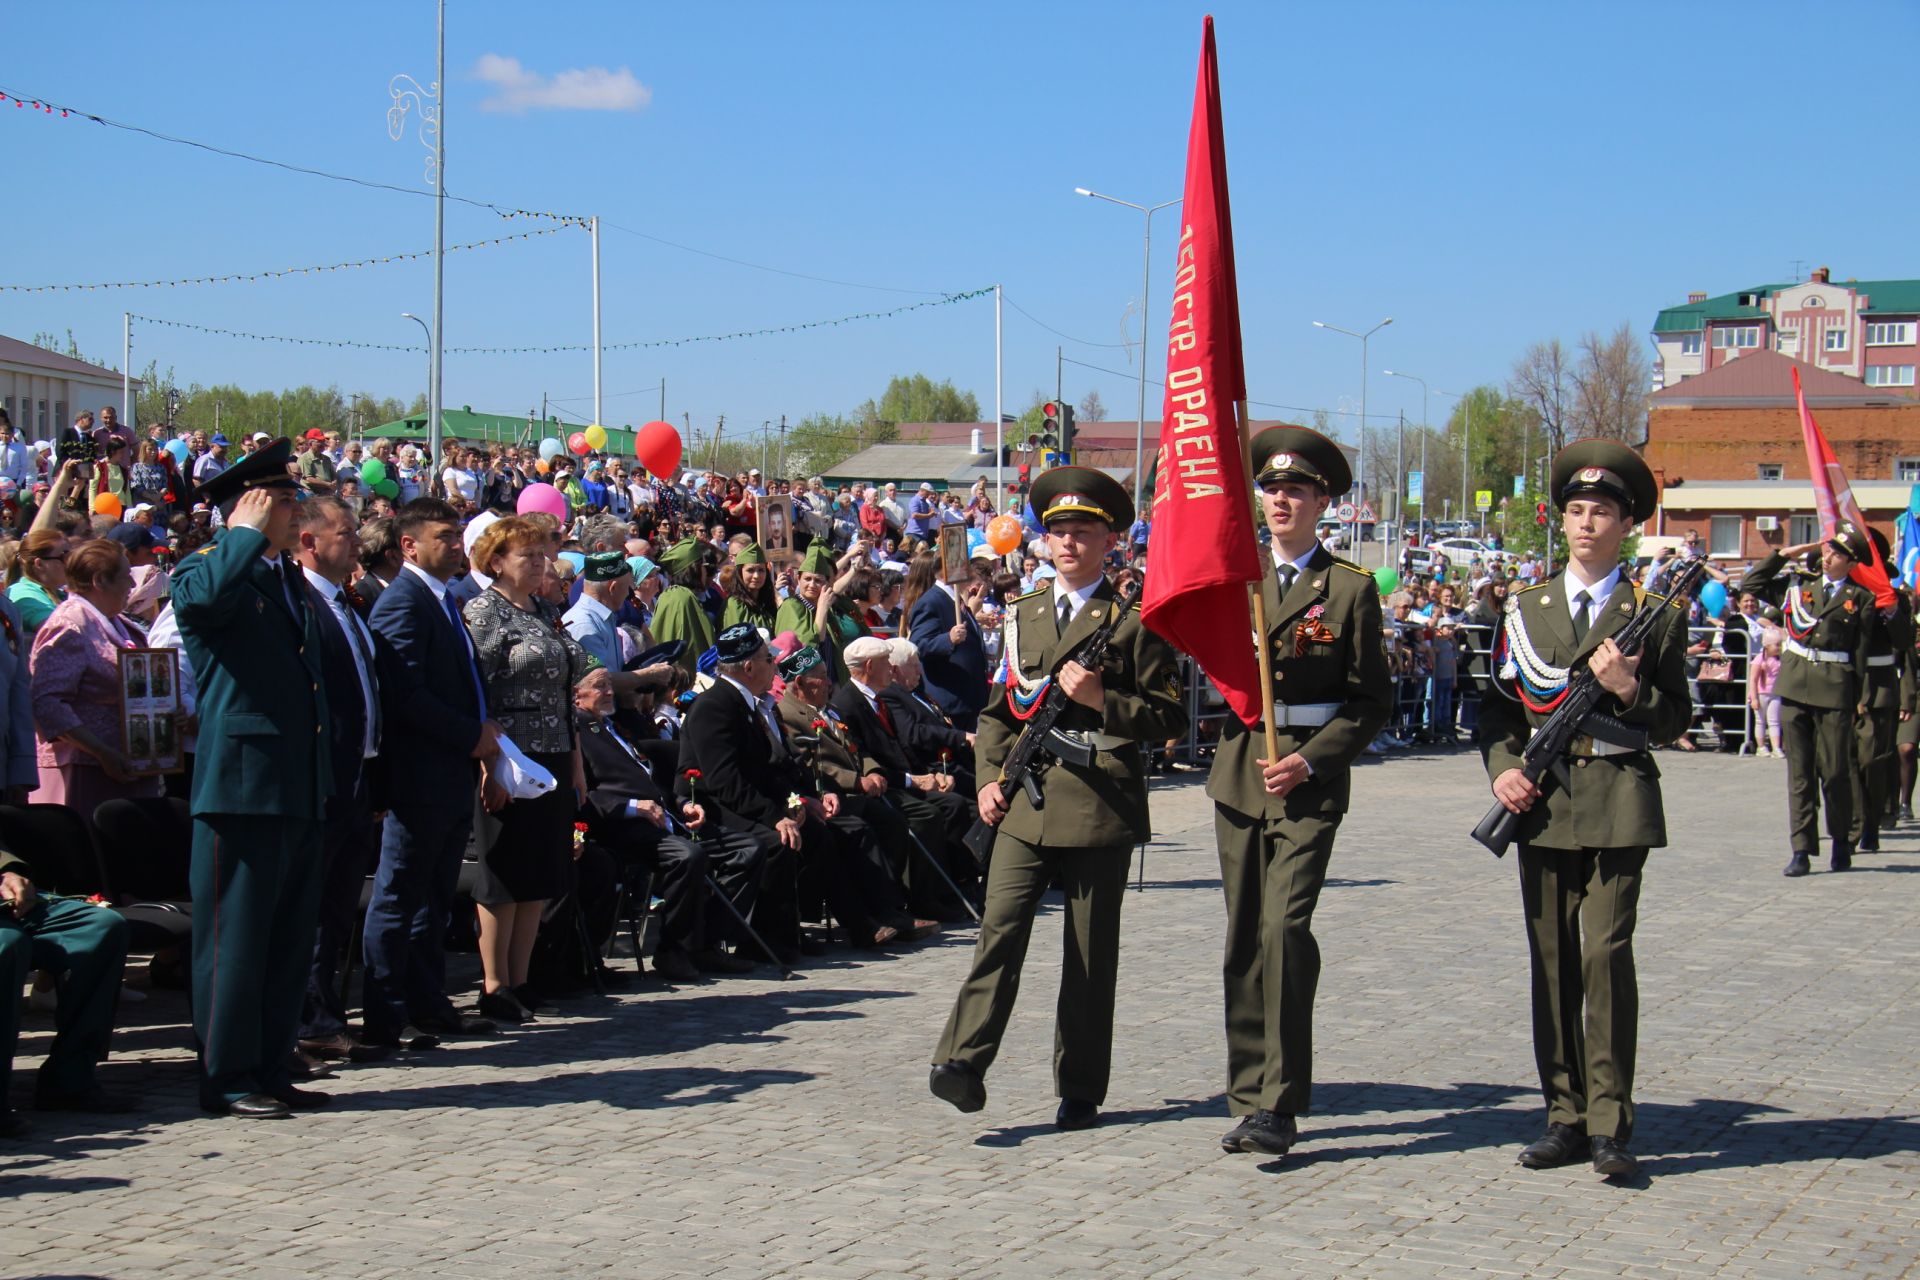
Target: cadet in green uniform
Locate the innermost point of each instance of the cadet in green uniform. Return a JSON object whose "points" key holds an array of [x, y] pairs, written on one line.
{"points": [[753, 604], [1274, 820], [1084, 835], [260, 786], [1889, 697], [1822, 686], [1583, 847], [677, 612], [817, 569]]}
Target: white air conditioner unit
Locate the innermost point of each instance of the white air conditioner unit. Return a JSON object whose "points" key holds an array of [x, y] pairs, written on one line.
{"points": [[1766, 524]]}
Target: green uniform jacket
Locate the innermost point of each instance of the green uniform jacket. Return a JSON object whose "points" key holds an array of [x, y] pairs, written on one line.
{"points": [[832, 760], [263, 739], [1839, 627], [739, 609], [1345, 664], [796, 615], [1104, 804], [1615, 800], [677, 615], [1890, 636]]}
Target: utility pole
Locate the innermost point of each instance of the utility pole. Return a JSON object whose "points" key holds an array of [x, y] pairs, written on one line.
{"points": [[783, 444], [766, 434], [594, 225], [663, 399]]}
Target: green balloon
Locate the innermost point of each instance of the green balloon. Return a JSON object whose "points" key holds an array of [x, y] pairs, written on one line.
{"points": [[372, 472], [1387, 577], [387, 489]]}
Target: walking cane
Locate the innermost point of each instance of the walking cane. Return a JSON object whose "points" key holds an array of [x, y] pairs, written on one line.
{"points": [[934, 862], [713, 886]]}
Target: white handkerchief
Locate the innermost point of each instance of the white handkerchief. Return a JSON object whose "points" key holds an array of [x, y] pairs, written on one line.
{"points": [[523, 779]]}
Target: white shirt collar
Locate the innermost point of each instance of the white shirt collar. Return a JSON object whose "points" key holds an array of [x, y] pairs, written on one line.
{"points": [[1300, 563], [744, 691], [326, 589], [1079, 597], [1600, 591], [434, 584], [869, 694]]}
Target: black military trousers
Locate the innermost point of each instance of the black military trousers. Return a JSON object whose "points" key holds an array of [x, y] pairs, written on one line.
{"points": [[1820, 755]]}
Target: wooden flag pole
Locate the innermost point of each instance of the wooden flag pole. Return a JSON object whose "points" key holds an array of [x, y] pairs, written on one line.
{"points": [[1257, 596]]}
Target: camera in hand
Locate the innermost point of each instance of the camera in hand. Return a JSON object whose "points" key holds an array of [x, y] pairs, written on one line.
{"points": [[73, 447]]}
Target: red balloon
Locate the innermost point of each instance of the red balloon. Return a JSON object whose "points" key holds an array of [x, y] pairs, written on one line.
{"points": [[657, 446], [577, 442]]}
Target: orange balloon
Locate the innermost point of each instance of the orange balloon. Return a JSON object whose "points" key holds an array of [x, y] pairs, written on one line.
{"points": [[1003, 534], [106, 504]]}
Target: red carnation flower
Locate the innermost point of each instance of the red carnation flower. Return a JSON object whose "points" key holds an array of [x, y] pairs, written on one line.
{"points": [[693, 775]]}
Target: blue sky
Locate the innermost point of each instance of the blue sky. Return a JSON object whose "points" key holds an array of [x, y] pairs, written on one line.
{"points": [[1487, 174]]}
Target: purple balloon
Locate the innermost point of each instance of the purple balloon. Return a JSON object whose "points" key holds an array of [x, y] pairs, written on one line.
{"points": [[542, 497]]}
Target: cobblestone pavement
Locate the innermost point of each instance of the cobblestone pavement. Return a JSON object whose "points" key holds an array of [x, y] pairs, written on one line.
{"points": [[758, 1128]]}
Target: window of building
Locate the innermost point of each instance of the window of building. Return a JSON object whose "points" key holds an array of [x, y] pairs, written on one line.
{"points": [[1803, 529], [43, 421], [1723, 536], [1743, 336], [60, 418], [1773, 471], [1890, 333], [1889, 375], [1907, 470], [1836, 338], [1689, 344]]}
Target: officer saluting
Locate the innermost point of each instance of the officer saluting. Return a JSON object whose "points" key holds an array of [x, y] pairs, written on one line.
{"points": [[1274, 820], [1823, 682], [1094, 814], [1888, 700], [260, 787], [1583, 847]]}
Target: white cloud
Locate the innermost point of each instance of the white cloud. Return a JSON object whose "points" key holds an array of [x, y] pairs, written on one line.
{"points": [[517, 89]]}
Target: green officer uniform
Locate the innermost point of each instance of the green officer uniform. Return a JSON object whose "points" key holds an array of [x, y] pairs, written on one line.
{"points": [[1823, 681], [1084, 834], [261, 779], [1583, 847], [677, 612], [796, 614], [1889, 691], [1324, 641], [740, 609]]}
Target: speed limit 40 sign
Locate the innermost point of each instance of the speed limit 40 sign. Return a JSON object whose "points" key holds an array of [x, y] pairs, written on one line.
{"points": [[1346, 513]]}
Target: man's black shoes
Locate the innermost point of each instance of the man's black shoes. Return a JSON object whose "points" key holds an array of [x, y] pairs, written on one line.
{"points": [[1230, 1140], [303, 1099], [1798, 865], [959, 1084], [1840, 858], [1613, 1160], [254, 1106], [1563, 1144], [1265, 1133], [1076, 1113], [451, 1022]]}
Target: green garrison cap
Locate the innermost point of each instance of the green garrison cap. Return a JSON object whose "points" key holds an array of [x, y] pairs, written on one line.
{"points": [[750, 554], [683, 554], [819, 559]]}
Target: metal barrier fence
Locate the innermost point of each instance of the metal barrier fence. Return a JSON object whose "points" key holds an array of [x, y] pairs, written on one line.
{"points": [[1427, 710]]}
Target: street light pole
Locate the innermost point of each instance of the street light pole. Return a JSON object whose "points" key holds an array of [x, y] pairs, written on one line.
{"points": [[1146, 284], [408, 315], [1354, 533], [1423, 438], [1466, 451]]}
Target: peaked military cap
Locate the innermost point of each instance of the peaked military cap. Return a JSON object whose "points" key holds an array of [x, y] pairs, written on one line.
{"points": [[1300, 453], [1849, 540], [1064, 493], [264, 468], [1608, 468]]}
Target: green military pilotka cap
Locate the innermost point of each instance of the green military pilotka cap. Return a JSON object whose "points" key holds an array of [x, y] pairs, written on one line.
{"points": [[1608, 468], [606, 566], [819, 559], [1300, 453], [750, 554], [683, 554]]}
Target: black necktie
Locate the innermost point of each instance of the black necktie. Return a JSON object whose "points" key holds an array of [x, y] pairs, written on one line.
{"points": [[1066, 613], [1287, 572], [1581, 600], [361, 647]]}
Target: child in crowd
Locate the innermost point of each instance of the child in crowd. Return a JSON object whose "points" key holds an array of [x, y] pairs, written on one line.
{"points": [[1762, 673]]}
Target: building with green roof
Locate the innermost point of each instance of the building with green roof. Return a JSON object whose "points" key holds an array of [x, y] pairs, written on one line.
{"points": [[465, 425]]}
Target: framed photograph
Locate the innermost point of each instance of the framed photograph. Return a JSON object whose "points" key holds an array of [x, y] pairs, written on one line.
{"points": [[773, 527], [953, 554], [149, 701]]}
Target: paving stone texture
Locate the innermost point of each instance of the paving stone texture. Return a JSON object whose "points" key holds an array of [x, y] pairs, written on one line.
{"points": [[761, 1128]]}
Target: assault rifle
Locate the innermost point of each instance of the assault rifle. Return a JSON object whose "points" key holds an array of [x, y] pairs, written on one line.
{"points": [[1040, 736], [1546, 752]]}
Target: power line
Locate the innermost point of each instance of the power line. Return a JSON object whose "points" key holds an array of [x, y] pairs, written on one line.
{"points": [[1264, 404], [1111, 346], [758, 266]]}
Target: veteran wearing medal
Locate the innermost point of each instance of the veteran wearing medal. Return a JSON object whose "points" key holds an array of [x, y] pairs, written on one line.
{"points": [[1083, 836], [263, 774], [1583, 846], [1822, 686], [1275, 820]]}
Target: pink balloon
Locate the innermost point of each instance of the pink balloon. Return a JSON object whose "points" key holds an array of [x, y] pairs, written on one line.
{"points": [[657, 446], [542, 497]]}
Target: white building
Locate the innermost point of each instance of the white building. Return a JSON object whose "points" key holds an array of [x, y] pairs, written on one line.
{"points": [[42, 391]]}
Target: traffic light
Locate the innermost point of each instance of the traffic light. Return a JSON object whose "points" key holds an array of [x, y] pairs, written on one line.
{"points": [[1026, 478], [1540, 513], [1066, 432], [1050, 427]]}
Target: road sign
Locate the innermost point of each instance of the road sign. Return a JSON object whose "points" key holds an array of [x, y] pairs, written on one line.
{"points": [[1366, 513], [1519, 486], [1345, 513], [1483, 499]]}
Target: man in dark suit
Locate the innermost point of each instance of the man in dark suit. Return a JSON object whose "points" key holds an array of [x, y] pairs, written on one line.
{"points": [[953, 656], [259, 790], [931, 802], [628, 814], [435, 718], [328, 550], [933, 742]]}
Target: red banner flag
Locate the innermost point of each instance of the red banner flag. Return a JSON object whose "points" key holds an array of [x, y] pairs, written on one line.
{"points": [[1834, 496], [1202, 552]]}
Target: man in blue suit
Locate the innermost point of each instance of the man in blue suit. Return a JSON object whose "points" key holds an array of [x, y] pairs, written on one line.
{"points": [[328, 552], [953, 656], [260, 784], [435, 714]]}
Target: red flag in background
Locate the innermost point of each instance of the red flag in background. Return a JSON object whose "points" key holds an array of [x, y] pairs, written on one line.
{"points": [[1202, 553], [1834, 496]]}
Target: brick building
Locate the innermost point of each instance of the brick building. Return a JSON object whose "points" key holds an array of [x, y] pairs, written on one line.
{"points": [[1727, 448], [1869, 329]]}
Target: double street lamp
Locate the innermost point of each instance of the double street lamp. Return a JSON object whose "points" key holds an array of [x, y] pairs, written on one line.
{"points": [[1354, 537], [1146, 282]]}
